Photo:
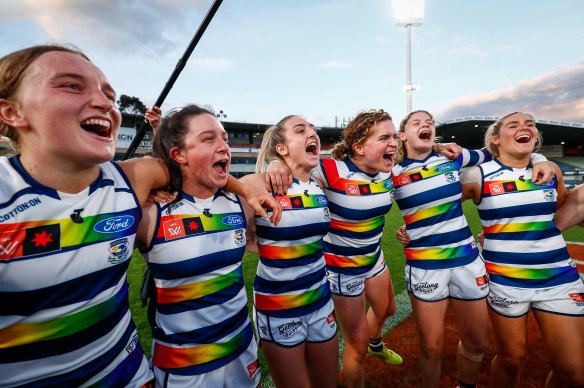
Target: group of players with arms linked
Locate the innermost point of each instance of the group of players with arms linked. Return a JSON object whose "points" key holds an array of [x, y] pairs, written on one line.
{"points": [[70, 219]]}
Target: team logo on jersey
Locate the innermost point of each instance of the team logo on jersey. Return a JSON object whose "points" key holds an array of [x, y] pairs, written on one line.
{"points": [[577, 297], [548, 195], [232, 220], [296, 202], [496, 188], [132, 345], [510, 186], [330, 319], [284, 202], [114, 224], [173, 229], [321, 200], [30, 241], [252, 368], [450, 178], [287, 330], [482, 280], [239, 235], [119, 250], [327, 215]]}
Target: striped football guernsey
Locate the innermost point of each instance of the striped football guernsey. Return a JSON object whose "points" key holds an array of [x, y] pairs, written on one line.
{"points": [[291, 279], [64, 313], [523, 247], [428, 193], [358, 203], [195, 257]]}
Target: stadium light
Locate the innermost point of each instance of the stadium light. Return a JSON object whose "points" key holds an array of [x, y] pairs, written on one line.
{"points": [[409, 13]]}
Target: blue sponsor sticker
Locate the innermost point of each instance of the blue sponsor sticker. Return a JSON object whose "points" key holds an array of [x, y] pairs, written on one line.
{"points": [[321, 199], [114, 224], [232, 220], [444, 167], [388, 184]]}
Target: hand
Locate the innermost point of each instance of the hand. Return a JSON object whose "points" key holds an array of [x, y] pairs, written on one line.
{"points": [[543, 173], [450, 150], [160, 196], [153, 116], [278, 177], [481, 238], [402, 236], [260, 202]]}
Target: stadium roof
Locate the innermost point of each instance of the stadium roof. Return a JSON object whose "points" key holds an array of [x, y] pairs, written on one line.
{"points": [[469, 131]]}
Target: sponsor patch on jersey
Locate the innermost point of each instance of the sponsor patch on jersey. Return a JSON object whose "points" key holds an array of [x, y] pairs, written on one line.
{"points": [[194, 225], [284, 202], [577, 297], [510, 186], [330, 319], [253, 368], [482, 280], [239, 236], [388, 184], [321, 200], [352, 189], [404, 180], [548, 195], [119, 250], [296, 202], [444, 167], [232, 220], [173, 229], [365, 189], [496, 188], [114, 224], [30, 241], [415, 177]]}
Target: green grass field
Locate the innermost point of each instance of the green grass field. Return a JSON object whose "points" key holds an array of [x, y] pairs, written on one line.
{"points": [[394, 256]]}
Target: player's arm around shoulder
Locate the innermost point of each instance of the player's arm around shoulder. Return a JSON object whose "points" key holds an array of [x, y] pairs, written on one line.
{"points": [[147, 226], [251, 237], [145, 174], [471, 182], [571, 213], [561, 189]]}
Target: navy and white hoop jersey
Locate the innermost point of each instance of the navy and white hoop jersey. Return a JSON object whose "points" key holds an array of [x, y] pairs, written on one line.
{"points": [[202, 321], [358, 203], [428, 193], [291, 278], [64, 314], [523, 247]]}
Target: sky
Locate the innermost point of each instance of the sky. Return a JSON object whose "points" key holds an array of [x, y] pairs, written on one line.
{"points": [[326, 60]]}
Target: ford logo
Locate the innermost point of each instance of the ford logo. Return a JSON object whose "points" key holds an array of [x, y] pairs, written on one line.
{"points": [[444, 167], [321, 199], [388, 184], [232, 220], [114, 224]]}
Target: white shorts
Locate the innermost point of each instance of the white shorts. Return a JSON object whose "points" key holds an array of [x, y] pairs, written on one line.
{"points": [[354, 285], [565, 299], [318, 326], [244, 371], [468, 282]]}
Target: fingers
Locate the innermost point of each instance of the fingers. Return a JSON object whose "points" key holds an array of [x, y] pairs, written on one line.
{"points": [[160, 196]]}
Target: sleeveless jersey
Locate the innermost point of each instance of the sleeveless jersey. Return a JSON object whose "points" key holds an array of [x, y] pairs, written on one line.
{"points": [[428, 193], [358, 203], [64, 313], [291, 278], [523, 247], [202, 321]]}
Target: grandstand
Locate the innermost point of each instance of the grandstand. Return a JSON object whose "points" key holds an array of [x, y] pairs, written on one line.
{"points": [[563, 142]]}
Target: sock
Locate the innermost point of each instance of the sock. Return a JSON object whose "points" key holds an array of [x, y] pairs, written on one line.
{"points": [[462, 384], [375, 344]]}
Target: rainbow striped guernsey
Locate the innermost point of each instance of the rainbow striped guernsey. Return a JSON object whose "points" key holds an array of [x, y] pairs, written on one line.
{"points": [[358, 203], [523, 247], [195, 258], [291, 278], [429, 195], [64, 315]]}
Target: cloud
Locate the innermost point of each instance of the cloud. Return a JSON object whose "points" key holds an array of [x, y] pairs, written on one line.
{"points": [[213, 63], [467, 51], [335, 64], [120, 26], [557, 95]]}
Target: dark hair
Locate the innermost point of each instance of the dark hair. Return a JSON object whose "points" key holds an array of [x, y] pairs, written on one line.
{"points": [[171, 133], [12, 68], [357, 131]]}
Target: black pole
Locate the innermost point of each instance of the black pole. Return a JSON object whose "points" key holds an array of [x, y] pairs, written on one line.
{"points": [[177, 70]]}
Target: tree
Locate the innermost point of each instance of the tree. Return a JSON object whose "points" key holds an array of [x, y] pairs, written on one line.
{"points": [[132, 105]]}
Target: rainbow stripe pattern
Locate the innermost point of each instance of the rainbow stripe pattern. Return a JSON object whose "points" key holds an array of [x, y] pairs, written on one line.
{"points": [[358, 227], [440, 253], [513, 185], [431, 212], [291, 252], [289, 301], [520, 227], [350, 262], [424, 173], [192, 291]]}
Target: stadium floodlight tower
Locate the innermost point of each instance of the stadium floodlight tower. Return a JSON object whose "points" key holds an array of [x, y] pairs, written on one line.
{"points": [[409, 13]]}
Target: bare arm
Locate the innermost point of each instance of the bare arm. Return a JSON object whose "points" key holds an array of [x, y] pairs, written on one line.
{"points": [[147, 226], [571, 213], [250, 229], [256, 195], [470, 181], [145, 174]]}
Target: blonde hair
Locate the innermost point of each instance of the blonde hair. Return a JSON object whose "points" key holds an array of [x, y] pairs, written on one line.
{"points": [[495, 129], [402, 152], [273, 136], [12, 69], [357, 131]]}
